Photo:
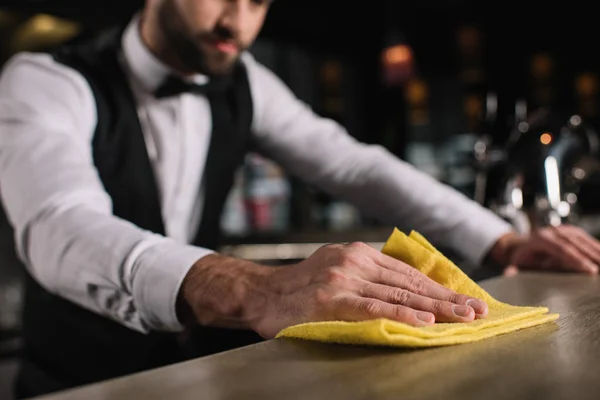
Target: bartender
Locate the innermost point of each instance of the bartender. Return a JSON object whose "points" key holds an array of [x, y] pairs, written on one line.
{"points": [[116, 156]]}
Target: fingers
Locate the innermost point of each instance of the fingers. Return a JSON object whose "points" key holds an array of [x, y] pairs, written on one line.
{"points": [[579, 239], [443, 311], [570, 256], [422, 285], [580, 233], [362, 308]]}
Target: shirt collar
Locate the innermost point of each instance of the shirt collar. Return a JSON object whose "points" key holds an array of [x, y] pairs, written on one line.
{"points": [[144, 65]]}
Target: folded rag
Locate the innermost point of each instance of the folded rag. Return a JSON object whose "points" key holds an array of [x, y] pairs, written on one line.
{"points": [[416, 251]]}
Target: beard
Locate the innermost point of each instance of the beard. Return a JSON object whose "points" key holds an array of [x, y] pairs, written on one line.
{"points": [[193, 50]]}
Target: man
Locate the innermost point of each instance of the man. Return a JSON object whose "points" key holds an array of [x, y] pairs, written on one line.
{"points": [[116, 156]]}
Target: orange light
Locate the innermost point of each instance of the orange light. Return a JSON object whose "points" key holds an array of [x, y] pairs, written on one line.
{"points": [[546, 138], [398, 54]]}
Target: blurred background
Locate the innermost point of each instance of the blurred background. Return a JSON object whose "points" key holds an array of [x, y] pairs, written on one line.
{"points": [[497, 100]]}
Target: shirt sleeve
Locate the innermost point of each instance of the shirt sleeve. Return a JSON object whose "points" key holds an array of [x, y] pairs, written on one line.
{"points": [[322, 153], [65, 232]]}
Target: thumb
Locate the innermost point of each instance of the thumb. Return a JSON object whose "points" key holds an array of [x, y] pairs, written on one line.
{"points": [[511, 270]]}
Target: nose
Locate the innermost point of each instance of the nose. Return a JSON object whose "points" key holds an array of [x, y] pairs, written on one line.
{"points": [[236, 15]]}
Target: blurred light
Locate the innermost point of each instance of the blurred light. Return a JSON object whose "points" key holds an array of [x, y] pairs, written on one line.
{"points": [[398, 64], [578, 173], [571, 198], [563, 208], [546, 138], [491, 104], [575, 120], [398, 54], [586, 84], [523, 127], [542, 66], [42, 31], [552, 181], [521, 111], [516, 197], [480, 147], [473, 106], [43, 23], [555, 219], [417, 91]]}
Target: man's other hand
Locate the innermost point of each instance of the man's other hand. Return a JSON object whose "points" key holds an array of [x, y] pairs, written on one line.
{"points": [[562, 248]]}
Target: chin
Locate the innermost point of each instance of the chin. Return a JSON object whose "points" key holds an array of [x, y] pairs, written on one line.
{"points": [[221, 68]]}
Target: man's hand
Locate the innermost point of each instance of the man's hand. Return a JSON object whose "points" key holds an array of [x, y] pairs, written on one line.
{"points": [[565, 248], [350, 282]]}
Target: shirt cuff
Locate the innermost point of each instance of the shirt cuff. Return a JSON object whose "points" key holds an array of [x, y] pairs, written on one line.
{"points": [[478, 235], [159, 273]]}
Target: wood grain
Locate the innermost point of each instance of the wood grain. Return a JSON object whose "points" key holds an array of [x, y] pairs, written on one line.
{"points": [[553, 361]]}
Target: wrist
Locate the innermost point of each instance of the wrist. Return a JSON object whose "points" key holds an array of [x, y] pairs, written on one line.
{"points": [[501, 254], [223, 292]]}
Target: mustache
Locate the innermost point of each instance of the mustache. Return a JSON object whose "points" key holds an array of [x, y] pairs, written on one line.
{"points": [[222, 34]]}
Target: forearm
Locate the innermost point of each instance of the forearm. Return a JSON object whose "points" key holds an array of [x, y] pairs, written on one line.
{"points": [[225, 292]]}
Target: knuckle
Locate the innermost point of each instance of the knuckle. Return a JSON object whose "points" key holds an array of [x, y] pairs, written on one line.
{"points": [[349, 259], [439, 307], [402, 313], [371, 308], [330, 249], [458, 298], [356, 245], [335, 276], [322, 296], [328, 252], [400, 296], [416, 285], [413, 272]]}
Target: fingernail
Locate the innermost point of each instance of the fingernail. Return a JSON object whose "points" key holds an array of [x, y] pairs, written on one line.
{"points": [[462, 311], [425, 317], [478, 306]]}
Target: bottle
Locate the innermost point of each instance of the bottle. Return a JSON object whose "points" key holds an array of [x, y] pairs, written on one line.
{"points": [[333, 214], [420, 142], [267, 195], [474, 98], [542, 88], [586, 91], [235, 221]]}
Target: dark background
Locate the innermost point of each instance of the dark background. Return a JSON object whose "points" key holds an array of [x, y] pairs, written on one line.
{"points": [[357, 30], [304, 41]]}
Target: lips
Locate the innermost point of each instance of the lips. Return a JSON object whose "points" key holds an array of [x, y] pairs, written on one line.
{"points": [[225, 46]]}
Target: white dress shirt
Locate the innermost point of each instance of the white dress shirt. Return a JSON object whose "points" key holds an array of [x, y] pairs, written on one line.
{"points": [[71, 243]]}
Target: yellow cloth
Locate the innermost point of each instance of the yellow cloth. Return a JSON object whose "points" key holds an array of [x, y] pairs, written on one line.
{"points": [[416, 251]]}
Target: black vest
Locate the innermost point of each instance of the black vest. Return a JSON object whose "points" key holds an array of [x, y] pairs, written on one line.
{"points": [[66, 345]]}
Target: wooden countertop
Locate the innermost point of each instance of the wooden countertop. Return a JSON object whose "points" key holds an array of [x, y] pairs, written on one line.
{"points": [[553, 361]]}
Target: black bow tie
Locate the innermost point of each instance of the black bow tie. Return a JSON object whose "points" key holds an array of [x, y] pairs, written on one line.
{"points": [[173, 86]]}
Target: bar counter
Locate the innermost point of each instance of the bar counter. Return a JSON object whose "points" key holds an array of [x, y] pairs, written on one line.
{"points": [[558, 360]]}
